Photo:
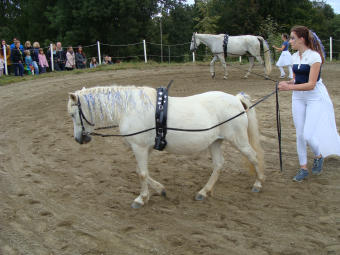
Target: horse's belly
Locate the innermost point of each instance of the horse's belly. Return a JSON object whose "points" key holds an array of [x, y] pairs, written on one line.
{"points": [[189, 142]]}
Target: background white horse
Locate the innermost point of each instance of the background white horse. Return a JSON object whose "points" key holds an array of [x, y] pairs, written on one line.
{"points": [[237, 46], [133, 109]]}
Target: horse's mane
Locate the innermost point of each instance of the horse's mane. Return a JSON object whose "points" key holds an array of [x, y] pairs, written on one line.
{"points": [[105, 105]]}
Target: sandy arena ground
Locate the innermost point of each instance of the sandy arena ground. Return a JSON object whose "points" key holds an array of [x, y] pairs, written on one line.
{"points": [[59, 197]]}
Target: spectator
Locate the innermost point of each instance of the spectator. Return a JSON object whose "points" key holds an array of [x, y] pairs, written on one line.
{"points": [[35, 57], [42, 61], [80, 58], [93, 62], [29, 62], [17, 59], [13, 44], [107, 60], [61, 57], [70, 59], [8, 54]]}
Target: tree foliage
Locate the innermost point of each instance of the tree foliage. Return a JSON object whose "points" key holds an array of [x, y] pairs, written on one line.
{"points": [[128, 21]]}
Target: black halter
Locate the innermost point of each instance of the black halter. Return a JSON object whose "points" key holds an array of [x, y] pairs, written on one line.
{"points": [[81, 117]]}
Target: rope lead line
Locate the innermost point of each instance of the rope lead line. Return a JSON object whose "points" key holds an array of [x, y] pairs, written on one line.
{"points": [[278, 123]]}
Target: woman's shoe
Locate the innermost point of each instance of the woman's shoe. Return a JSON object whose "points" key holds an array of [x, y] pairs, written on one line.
{"points": [[301, 175], [317, 166]]}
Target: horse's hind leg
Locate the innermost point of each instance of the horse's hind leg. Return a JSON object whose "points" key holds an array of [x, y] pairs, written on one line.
{"points": [[251, 65], [218, 160], [224, 65], [212, 67], [241, 142], [259, 58]]}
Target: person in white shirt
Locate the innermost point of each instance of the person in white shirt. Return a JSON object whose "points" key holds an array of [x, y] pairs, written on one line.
{"points": [[312, 108]]}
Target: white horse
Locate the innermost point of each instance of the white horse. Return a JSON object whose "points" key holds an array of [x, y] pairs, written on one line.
{"points": [[133, 109], [237, 46]]}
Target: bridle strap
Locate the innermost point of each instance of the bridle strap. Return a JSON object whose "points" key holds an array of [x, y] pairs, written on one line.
{"points": [[195, 45], [82, 116]]}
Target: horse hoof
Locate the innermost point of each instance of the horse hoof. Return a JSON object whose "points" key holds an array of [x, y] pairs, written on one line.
{"points": [[199, 197], [163, 193], [225, 77], [256, 189], [245, 77], [136, 205], [213, 76]]}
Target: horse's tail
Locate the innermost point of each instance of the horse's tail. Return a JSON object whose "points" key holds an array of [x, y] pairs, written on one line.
{"points": [[266, 53], [253, 131]]}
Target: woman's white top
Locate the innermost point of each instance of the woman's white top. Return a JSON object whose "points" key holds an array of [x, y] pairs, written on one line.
{"points": [[326, 131]]}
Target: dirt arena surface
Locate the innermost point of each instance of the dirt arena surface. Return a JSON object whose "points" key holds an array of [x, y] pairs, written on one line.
{"points": [[59, 197]]}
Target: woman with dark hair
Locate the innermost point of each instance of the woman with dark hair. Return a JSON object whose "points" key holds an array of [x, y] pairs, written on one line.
{"points": [[312, 108], [285, 57], [80, 58]]}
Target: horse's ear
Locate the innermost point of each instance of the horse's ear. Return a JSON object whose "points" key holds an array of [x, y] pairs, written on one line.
{"points": [[73, 97]]}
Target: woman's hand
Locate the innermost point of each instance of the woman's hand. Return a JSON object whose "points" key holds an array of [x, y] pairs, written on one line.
{"points": [[284, 86]]}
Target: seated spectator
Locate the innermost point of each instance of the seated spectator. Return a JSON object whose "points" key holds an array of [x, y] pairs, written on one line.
{"points": [[107, 60], [42, 61], [93, 62], [70, 59], [29, 62], [80, 58]]}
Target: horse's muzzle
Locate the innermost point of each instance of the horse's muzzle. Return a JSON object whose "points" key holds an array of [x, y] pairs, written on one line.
{"points": [[83, 139]]}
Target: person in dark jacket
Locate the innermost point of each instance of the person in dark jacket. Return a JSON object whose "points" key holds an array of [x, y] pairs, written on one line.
{"points": [[80, 58], [17, 59], [61, 57]]}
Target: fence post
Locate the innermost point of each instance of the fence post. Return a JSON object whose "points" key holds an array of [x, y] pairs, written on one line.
{"points": [[240, 59], [145, 57], [193, 57], [330, 49], [52, 63], [4, 47], [99, 56]]}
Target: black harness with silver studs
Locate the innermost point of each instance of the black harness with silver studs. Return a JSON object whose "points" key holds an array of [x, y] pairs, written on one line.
{"points": [[161, 117], [225, 43]]}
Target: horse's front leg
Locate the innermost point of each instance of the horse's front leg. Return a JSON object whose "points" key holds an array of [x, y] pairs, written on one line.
{"points": [[212, 67], [224, 65], [251, 65], [218, 161], [141, 154]]}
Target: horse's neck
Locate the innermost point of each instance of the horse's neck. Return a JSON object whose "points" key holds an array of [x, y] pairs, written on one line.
{"points": [[212, 41], [105, 106]]}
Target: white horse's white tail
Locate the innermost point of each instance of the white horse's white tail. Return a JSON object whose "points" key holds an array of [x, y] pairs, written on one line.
{"points": [[253, 132], [266, 50]]}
